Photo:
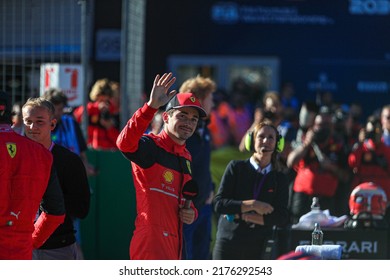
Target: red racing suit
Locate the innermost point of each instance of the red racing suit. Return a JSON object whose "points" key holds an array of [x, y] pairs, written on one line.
{"points": [[160, 168], [24, 178], [371, 163]]}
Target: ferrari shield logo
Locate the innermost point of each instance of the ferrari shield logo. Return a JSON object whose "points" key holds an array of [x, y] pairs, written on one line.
{"points": [[11, 148], [189, 166]]}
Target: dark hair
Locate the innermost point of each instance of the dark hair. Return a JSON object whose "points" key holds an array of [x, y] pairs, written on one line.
{"points": [[5, 110], [311, 106], [56, 96]]}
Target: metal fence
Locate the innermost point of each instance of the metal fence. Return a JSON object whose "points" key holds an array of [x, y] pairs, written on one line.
{"points": [[35, 32]]}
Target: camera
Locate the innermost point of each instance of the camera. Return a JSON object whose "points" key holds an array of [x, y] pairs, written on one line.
{"points": [[105, 114], [321, 135]]}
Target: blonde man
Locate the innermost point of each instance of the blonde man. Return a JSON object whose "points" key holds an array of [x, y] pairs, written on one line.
{"points": [[39, 121]]}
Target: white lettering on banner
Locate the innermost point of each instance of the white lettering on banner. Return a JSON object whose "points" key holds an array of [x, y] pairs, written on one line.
{"points": [[369, 247], [323, 83], [373, 86], [369, 7], [226, 13], [353, 248], [360, 247], [232, 13]]}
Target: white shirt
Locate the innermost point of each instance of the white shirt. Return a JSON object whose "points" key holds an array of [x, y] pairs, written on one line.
{"points": [[264, 171]]}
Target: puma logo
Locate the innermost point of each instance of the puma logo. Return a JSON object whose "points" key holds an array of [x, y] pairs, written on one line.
{"points": [[14, 214]]}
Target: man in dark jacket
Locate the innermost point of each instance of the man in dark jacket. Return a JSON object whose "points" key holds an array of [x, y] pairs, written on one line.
{"points": [[39, 121]]}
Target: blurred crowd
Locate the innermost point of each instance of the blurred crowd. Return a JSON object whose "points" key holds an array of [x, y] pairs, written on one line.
{"points": [[342, 147], [330, 147]]}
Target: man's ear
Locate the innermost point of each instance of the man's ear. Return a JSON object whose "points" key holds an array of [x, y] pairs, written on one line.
{"points": [[53, 123], [165, 117]]}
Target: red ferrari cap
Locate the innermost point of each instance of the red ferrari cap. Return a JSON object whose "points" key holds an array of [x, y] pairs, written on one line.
{"points": [[186, 99]]}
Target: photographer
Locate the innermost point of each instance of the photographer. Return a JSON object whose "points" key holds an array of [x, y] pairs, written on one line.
{"points": [[370, 158], [102, 127], [321, 165], [307, 114]]}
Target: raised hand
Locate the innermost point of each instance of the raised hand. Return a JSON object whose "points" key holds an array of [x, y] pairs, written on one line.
{"points": [[159, 96]]}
